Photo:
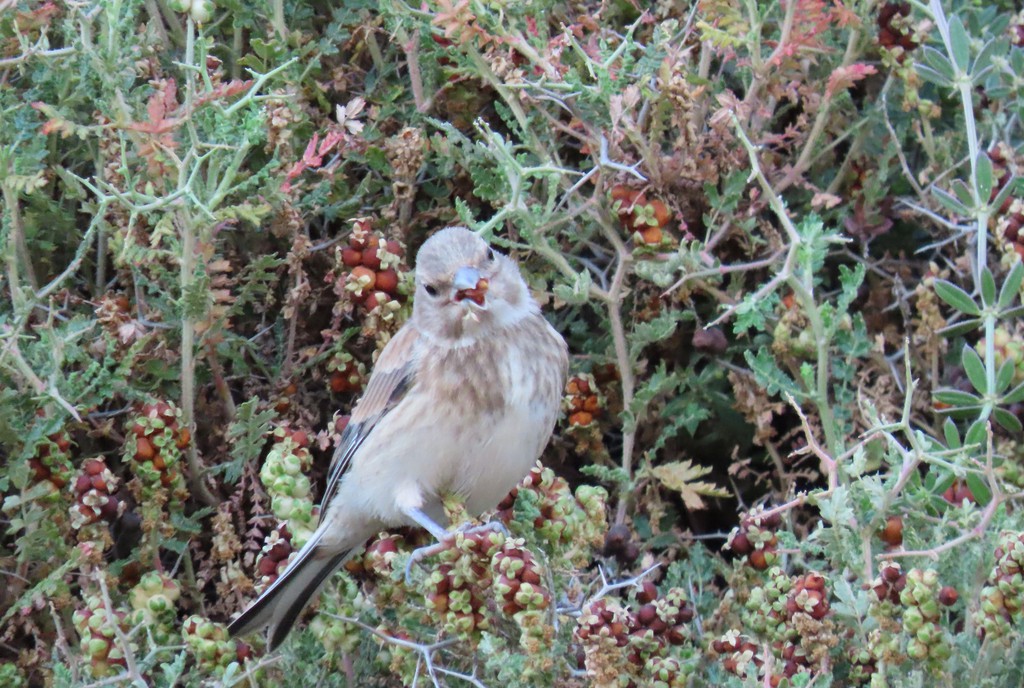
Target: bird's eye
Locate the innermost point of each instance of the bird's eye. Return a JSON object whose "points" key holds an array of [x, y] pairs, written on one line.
{"points": [[430, 289], [490, 255]]}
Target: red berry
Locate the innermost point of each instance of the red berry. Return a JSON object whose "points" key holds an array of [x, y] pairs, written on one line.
{"points": [[387, 281], [351, 257]]}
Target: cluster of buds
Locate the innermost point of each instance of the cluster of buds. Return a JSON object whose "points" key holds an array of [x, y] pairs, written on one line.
{"points": [[862, 665], [922, 597], [154, 445], [522, 596], [456, 589], [347, 374], [284, 476], [343, 600], [211, 646], [739, 654], [755, 539], [51, 465], [274, 557], [97, 631], [583, 405], [889, 583], [544, 504], [518, 584], [895, 34], [1002, 598], [370, 273], [153, 606], [95, 500], [581, 401], [644, 219], [637, 642], [791, 614]]}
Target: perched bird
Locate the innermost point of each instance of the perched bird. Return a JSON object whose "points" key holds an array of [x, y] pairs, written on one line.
{"points": [[461, 401]]}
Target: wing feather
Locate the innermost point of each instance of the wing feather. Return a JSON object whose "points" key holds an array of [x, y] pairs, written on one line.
{"points": [[391, 379]]}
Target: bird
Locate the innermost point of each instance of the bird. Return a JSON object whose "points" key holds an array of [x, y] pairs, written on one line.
{"points": [[461, 401]]}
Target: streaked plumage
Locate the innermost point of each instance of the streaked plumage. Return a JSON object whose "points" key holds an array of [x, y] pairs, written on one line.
{"points": [[462, 400]]}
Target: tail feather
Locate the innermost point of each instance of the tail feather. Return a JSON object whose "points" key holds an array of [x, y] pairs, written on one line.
{"points": [[280, 605]]}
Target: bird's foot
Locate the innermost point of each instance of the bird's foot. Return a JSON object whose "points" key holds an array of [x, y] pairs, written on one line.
{"points": [[444, 542]]}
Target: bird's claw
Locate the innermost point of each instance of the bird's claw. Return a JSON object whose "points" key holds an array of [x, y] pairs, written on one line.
{"points": [[421, 553]]}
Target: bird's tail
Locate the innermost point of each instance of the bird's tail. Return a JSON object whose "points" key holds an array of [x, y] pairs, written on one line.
{"points": [[280, 605]]}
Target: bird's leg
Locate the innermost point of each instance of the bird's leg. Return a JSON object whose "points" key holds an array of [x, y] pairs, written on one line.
{"points": [[444, 537]]}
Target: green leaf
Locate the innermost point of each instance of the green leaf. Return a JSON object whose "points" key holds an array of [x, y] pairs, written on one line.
{"points": [[956, 297], [950, 202], [959, 44], [963, 193], [1005, 375], [988, 287], [974, 368], [977, 434], [1011, 286], [646, 333], [955, 397], [940, 65], [960, 328], [983, 176], [1008, 420], [578, 292], [979, 488], [952, 435], [1015, 395]]}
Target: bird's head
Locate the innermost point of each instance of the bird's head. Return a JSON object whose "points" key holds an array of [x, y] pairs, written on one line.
{"points": [[464, 288]]}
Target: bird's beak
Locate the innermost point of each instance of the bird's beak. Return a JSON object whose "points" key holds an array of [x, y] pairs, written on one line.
{"points": [[469, 285]]}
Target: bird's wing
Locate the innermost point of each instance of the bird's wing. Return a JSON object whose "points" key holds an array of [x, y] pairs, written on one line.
{"points": [[392, 378]]}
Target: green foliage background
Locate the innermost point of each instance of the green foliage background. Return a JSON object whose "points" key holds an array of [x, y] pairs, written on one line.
{"points": [[781, 239]]}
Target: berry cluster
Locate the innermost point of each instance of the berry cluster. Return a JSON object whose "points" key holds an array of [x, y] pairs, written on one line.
{"points": [[347, 374], [518, 583], [921, 600], [274, 557], [791, 617], [889, 583], [1002, 598], [153, 606], [51, 465], [644, 219], [284, 476], [98, 636], [342, 599], [895, 34], [457, 587], [370, 274], [95, 498], [544, 505], [211, 647], [581, 401], [155, 442], [637, 643], [755, 539]]}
